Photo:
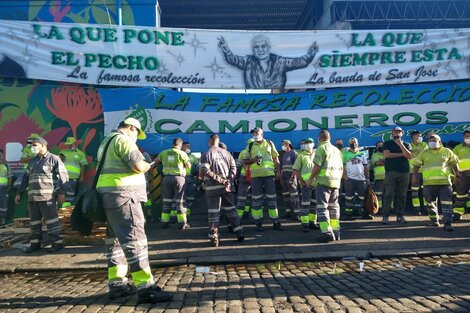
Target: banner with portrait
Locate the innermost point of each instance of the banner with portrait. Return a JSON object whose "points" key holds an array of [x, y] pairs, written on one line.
{"points": [[193, 58]]}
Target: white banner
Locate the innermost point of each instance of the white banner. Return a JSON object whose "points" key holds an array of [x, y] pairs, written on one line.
{"points": [[143, 56]]}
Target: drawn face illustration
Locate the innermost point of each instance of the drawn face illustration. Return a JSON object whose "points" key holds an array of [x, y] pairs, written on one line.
{"points": [[261, 49]]}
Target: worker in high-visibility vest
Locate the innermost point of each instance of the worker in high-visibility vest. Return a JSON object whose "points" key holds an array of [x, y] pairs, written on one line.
{"points": [[377, 162], [122, 188], [5, 184], [75, 161], [462, 188], [437, 163], [244, 185], [417, 145], [302, 169], [328, 170], [262, 157]]}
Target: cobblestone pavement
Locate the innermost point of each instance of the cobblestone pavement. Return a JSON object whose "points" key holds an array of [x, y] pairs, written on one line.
{"points": [[429, 284]]}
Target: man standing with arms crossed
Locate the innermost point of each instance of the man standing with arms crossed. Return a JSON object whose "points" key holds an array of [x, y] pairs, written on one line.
{"points": [[328, 170], [397, 169], [122, 188]]}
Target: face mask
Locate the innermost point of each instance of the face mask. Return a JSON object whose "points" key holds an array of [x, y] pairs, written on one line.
{"points": [[339, 146], [353, 146], [396, 137], [433, 145], [284, 148], [467, 141], [257, 138], [302, 147], [420, 139], [34, 150], [188, 151], [380, 149], [309, 146]]}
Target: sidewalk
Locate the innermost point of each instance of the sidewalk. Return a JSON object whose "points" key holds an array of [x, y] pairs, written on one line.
{"points": [[167, 247]]}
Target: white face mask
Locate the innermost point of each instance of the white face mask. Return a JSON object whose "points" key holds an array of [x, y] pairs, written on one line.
{"points": [[284, 148], [433, 145], [467, 141], [420, 139], [188, 151], [258, 138], [302, 147], [309, 146], [34, 150]]}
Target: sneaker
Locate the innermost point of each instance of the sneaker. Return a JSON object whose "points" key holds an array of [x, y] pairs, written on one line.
{"points": [[305, 228], [153, 294], [457, 217], [401, 219], [259, 226], [277, 226], [326, 237], [448, 227], [184, 226], [117, 290], [55, 247], [435, 223], [165, 225], [33, 247], [385, 220]]}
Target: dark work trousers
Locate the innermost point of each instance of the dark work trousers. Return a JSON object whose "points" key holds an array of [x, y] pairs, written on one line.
{"points": [[462, 193], [444, 192], [126, 245], [173, 197], [379, 191], [290, 194], [70, 190], [308, 210], [243, 196], [351, 187], [328, 209], [46, 210], [396, 186], [189, 192], [264, 187], [226, 202]]}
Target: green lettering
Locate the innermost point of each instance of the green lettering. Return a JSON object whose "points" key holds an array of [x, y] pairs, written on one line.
{"points": [[454, 54], [58, 57], [55, 33], [199, 126], [129, 34], [273, 125], [436, 117], [206, 101], [306, 122], [159, 126], [77, 35], [415, 118], [345, 121], [177, 39], [243, 125], [378, 118]]}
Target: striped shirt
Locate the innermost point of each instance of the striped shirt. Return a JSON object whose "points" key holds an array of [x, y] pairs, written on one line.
{"points": [[220, 162], [41, 175]]}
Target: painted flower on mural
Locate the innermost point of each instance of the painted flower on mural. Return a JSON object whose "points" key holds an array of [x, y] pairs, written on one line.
{"points": [[18, 130], [75, 105]]}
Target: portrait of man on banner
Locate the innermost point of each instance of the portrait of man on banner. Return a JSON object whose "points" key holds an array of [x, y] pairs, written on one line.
{"points": [[263, 69]]}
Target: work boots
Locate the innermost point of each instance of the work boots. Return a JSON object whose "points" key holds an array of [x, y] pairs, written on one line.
{"points": [[153, 294], [33, 247], [120, 289], [214, 238]]}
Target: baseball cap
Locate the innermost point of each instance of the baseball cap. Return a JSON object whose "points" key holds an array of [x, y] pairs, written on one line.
{"points": [[437, 137], [309, 140], [134, 122], [286, 141], [397, 129], [40, 140], [353, 139], [256, 129], [70, 141]]}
